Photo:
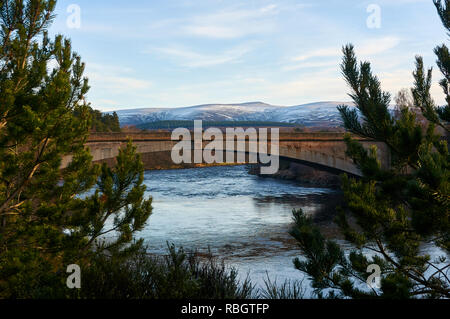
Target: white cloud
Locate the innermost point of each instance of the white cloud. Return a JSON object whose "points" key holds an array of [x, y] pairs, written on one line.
{"points": [[366, 48], [114, 82], [323, 85], [394, 81], [105, 102], [232, 23], [377, 46], [110, 82], [191, 59], [307, 65], [325, 57], [320, 53], [400, 2]]}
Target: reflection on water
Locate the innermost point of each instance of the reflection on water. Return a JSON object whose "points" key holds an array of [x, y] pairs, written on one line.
{"points": [[241, 218]]}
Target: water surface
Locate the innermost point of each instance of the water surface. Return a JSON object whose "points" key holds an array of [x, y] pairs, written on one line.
{"points": [[242, 218]]}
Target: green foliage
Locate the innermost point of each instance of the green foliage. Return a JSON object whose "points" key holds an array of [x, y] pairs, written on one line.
{"points": [[391, 211], [119, 198], [443, 60], [179, 275], [287, 290], [46, 223], [104, 122]]}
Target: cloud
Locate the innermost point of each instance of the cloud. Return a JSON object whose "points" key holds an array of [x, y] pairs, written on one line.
{"points": [[232, 23], [378, 46], [121, 83], [329, 56], [400, 2], [394, 81], [104, 102], [320, 53], [325, 84], [109, 83], [191, 59], [309, 65], [367, 48]]}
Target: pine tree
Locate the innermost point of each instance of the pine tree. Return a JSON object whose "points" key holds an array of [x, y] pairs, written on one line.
{"points": [[389, 212], [48, 218], [101, 122], [443, 61]]}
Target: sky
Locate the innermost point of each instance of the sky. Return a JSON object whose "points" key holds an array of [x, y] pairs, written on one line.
{"points": [[174, 53]]}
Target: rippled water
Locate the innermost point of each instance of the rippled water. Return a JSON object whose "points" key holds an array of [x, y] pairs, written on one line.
{"points": [[241, 218], [244, 219]]}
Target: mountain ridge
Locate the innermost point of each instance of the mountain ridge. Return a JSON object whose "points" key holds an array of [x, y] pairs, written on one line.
{"points": [[311, 114]]}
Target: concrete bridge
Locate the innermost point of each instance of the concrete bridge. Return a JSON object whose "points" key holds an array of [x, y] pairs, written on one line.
{"points": [[321, 150]]}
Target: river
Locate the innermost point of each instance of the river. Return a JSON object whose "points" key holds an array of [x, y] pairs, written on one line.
{"points": [[242, 218]]}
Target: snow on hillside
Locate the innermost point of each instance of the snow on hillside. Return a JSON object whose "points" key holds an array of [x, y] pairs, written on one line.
{"points": [[321, 113]]}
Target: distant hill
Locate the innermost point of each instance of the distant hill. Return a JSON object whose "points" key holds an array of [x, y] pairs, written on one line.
{"points": [[170, 125], [313, 114]]}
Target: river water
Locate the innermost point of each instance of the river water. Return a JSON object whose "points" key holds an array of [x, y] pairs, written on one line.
{"points": [[241, 218]]}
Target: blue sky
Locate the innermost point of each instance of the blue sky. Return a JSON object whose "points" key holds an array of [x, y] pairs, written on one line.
{"points": [[173, 53]]}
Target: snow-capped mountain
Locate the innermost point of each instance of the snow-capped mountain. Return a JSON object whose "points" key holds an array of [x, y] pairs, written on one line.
{"points": [[321, 113]]}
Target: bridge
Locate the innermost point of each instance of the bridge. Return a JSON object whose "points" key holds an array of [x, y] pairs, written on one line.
{"points": [[321, 150]]}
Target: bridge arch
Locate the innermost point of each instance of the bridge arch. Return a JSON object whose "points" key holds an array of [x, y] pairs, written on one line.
{"points": [[321, 150]]}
